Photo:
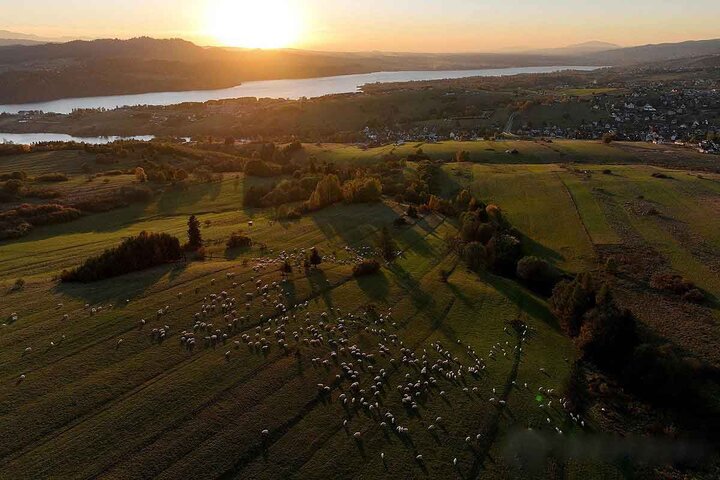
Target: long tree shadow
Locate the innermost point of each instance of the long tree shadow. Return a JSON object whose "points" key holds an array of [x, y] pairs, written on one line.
{"points": [[420, 298], [356, 225], [525, 300], [319, 285], [172, 200], [118, 290], [375, 287], [531, 246]]}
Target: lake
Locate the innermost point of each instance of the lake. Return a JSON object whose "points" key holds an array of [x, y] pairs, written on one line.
{"points": [[291, 89]]}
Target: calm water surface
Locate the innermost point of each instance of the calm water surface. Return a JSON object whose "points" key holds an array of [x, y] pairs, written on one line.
{"points": [[292, 89]]}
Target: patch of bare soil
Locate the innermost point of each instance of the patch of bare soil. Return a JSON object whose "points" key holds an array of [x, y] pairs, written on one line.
{"points": [[671, 156], [692, 242], [691, 327]]}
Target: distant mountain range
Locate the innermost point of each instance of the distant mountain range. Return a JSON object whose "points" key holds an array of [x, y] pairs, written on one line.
{"points": [[113, 67], [578, 49], [656, 53], [16, 38]]}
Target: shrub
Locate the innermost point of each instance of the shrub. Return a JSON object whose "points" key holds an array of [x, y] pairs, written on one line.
{"points": [[537, 272], [672, 283], [18, 285], [259, 168], [133, 254], [362, 190], [366, 267], [20, 221], [13, 186], [695, 295], [52, 177], [503, 253], [13, 176], [440, 205], [238, 240], [41, 193]]}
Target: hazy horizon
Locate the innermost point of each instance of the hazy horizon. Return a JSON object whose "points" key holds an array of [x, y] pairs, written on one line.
{"points": [[424, 26]]}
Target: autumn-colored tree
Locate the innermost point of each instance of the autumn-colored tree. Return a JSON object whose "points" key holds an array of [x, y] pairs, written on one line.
{"points": [[327, 192]]}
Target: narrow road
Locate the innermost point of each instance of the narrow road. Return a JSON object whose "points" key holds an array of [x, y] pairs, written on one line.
{"points": [[509, 124]]}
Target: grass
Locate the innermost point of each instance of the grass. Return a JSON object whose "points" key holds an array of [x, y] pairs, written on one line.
{"points": [[91, 408]]}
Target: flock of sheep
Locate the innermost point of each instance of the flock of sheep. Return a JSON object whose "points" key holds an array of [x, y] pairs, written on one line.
{"points": [[366, 377]]}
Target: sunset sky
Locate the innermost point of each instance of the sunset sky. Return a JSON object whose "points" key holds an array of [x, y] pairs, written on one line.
{"points": [[351, 25]]}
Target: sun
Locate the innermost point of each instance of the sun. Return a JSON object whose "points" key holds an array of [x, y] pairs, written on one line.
{"points": [[254, 23]]}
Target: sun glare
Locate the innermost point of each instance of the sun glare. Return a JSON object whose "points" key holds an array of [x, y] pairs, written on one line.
{"points": [[254, 23]]}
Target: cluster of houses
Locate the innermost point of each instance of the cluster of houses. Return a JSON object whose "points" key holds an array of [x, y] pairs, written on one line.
{"points": [[683, 113]]}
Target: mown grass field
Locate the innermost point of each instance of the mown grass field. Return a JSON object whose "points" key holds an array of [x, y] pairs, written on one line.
{"points": [[91, 407]]}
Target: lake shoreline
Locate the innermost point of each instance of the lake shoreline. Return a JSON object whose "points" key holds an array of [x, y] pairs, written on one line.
{"points": [[285, 88]]}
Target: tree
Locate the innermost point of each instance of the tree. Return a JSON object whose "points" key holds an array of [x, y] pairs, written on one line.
{"points": [[13, 186], [571, 300], [538, 273], [387, 245], [194, 236], [140, 175], [366, 267], [315, 257], [504, 252], [462, 156], [327, 192], [133, 254], [362, 190]]}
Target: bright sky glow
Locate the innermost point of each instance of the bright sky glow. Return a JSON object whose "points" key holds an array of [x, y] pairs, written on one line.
{"points": [[388, 25], [254, 24]]}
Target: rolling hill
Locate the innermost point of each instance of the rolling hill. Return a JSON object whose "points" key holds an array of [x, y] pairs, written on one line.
{"points": [[112, 67]]}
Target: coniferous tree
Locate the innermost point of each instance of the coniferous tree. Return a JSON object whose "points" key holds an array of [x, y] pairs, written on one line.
{"points": [[315, 258], [387, 245], [194, 235]]}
